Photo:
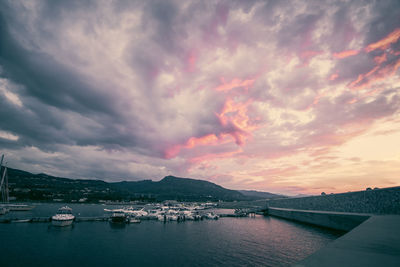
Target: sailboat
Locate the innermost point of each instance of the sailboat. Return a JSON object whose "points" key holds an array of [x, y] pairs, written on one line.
{"points": [[5, 206]]}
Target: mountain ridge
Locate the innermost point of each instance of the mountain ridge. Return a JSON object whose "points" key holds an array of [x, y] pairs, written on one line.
{"points": [[43, 187]]}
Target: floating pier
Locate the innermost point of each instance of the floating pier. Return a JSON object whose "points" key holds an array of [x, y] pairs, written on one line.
{"points": [[106, 218]]}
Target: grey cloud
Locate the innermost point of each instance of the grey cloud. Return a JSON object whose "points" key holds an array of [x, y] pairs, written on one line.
{"points": [[64, 107], [385, 19]]}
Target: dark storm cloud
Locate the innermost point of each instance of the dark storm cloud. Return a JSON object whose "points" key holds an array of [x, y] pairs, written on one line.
{"points": [[57, 99], [48, 80], [385, 18]]}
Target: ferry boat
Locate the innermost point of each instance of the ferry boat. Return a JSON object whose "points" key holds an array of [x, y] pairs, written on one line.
{"points": [[63, 217]]}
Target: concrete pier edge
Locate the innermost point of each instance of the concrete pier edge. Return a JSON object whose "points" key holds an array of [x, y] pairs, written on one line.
{"points": [[343, 221], [376, 242], [371, 240]]}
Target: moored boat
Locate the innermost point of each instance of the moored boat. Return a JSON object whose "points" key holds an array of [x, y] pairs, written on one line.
{"points": [[118, 217], [3, 210], [63, 217], [19, 207], [212, 216]]}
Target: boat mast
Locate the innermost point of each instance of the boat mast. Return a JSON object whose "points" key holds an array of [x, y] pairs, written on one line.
{"points": [[3, 175], [4, 181]]}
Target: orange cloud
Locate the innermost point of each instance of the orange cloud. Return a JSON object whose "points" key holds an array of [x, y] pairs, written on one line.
{"points": [[233, 118], [210, 139], [378, 73], [246, 84], [345, 54], [385, 42], [380, 59], [237, 126], [235, 114], [333, 77], [204, 140], [315, 101], [369, 93]]}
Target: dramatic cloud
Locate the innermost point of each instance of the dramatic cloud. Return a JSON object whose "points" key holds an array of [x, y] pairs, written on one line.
{"points": [[267, 95]]}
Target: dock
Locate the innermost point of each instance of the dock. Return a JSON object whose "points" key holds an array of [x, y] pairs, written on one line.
{"points": [[103, 218]]}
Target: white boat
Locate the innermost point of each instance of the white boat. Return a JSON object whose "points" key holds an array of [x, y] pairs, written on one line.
{"points": [[63, 217], [19, 207], [3, 210], [162, 217], [212, 216], [172, 217], [135, 213]]}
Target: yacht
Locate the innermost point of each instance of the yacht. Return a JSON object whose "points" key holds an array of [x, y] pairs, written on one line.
{"points": [[63, 217], [212, 216]]}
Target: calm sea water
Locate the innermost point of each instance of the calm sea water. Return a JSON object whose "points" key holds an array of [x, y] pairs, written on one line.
{"points": [[260, 241]]}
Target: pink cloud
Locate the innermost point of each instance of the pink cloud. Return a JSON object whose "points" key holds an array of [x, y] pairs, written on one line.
{"points": [[227, 86], [384, 43], [190, 60], [345, 54], [333, 77], [378, 73]]}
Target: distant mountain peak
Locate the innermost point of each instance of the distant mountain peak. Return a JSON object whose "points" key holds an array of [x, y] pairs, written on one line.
{"points": [[170, 177], [48, 187]]}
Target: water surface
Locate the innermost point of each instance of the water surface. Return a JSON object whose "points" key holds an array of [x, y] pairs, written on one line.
{"points": [[259, 241]]}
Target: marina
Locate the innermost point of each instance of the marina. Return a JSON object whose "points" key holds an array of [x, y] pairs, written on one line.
{"points": [[130, 215], [234, 241]]}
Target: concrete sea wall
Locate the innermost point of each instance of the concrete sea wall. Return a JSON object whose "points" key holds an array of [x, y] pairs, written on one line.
{"points": [[371, 217], [377, 201], [376, 242], [334, 220]]}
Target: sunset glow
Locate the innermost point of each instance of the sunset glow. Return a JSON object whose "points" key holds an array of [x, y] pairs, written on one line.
{"points": [[293, 97]]}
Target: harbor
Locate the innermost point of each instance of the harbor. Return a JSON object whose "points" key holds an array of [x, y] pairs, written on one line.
{"points": [[232, 240], [163, 215]]}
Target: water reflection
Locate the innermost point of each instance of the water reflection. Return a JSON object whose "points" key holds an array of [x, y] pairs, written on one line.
{"points": [[60, 229], [117, 225]]}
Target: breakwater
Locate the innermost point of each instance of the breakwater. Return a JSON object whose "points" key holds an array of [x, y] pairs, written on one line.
{"points": [[376, 242], [377, 201], [335, 220]]}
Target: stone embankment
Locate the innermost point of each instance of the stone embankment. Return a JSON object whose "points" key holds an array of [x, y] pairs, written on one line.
{"points": [[377, 201], [371, 216]]}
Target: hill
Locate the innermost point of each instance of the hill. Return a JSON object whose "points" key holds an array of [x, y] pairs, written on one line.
{"points": [[260, 195], [172, 187], [42, 187]]}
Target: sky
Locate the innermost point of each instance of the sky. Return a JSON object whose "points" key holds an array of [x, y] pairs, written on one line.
{"points": [[292, 97]]}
